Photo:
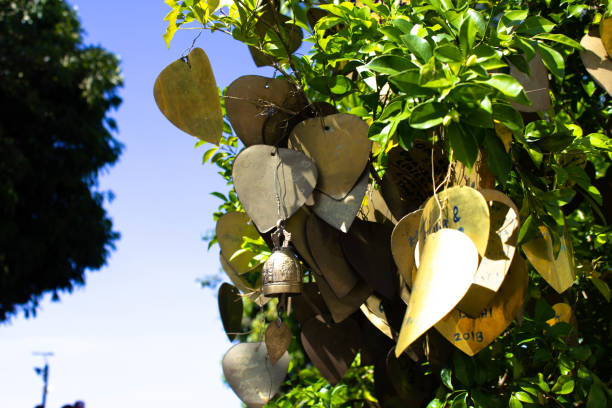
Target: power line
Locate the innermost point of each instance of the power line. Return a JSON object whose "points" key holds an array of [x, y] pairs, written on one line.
{"points": [[44, 372]]}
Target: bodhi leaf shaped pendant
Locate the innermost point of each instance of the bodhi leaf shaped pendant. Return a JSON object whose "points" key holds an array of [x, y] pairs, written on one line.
{"points": [[186, 93]]}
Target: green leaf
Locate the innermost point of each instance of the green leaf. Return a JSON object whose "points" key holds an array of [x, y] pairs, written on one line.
{"points": [[464, 144], [467, 35], [445, 375], [509, 87], [408, 82], [564, 385], [476, 115], [460, 401], [390, 64], [553, 60], [219, 195], [339, 85], [528, 231], [208, 154], [509, 116], [428, 115], [418, 46], [524, 397], [602, 287], [535, 25], [514, 402], [597, 397], [171, 18], [462, 371], [469, 92], [559, 38], [448, 53], [498, 161], [435, 403]]}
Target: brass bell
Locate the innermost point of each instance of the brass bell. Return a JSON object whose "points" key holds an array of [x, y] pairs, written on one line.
{"points": [[282, 273]]}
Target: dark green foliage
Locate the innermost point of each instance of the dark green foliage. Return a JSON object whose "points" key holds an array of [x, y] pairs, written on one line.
{"points": [[55, 138]]}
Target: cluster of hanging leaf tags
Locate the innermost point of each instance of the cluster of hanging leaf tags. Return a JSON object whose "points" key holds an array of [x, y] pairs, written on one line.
{"points": [[403, 258]]}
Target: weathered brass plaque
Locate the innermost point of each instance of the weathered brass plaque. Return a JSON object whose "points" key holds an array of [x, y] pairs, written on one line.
{"points": [[278, 338], [250, 374], [230, 309], [331, 347], [605, 33], [460, 208], [596, 61], [471, 335], [374, 311], [231, 227], [249, 102], [496, 262], [341, 213], [186, 93], [536, 86], [563, 314], [340, 148], [324, 244], [270, 181], [404, 239], [341, 308], [367, 249], [446, 271], [559, 272], [296, 225], [309, 304]]}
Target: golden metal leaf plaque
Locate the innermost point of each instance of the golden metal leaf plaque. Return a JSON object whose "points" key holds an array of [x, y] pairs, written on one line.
{"points": [[278, 338], [404, 239], [186, 93], [471, 335], [249, 102], [536, 86], [596, 61], [250, 374], [270, 181], [605, 33], [460, 208], [375, 313], [563, 314], [340, 148], [496, 262], [296, 225], [341, 213], [231, 227], [559, 272], [446, 271], [324, 244]]}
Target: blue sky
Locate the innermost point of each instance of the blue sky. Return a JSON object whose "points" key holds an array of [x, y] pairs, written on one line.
{"points": [[141, 333]]}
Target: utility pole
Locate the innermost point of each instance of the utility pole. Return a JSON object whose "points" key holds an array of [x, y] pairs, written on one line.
{"points": [[44, 372]]}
